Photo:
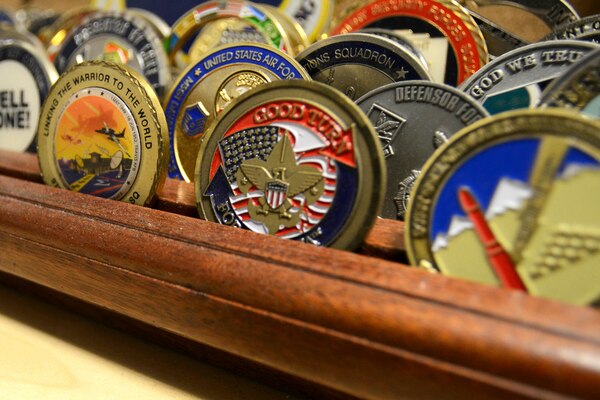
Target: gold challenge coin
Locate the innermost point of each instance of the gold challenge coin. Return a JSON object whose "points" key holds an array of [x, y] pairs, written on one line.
{"points": [[512, 201], [102, 132]]}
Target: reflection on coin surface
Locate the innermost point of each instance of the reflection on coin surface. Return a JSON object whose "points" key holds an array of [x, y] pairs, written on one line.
{"points": [[512, 201], [294, 159], [413, 119]]}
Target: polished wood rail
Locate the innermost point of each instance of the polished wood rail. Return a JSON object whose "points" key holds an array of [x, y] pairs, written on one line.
{"points": [[360, 325], [385, 240]]}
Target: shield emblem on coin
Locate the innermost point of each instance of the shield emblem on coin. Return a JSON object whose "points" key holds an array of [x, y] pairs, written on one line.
{"points": [[194, 119], [276, 193]]}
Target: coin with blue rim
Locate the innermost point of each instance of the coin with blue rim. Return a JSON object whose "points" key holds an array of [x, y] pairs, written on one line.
{"points": [[208, 86]]}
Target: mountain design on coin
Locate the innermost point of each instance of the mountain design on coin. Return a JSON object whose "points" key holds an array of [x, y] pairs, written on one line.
{"points": [[281, 178], [530, 224]]}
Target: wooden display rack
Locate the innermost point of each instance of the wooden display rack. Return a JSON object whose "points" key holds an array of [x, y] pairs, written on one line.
{"points": [[357, 324]]}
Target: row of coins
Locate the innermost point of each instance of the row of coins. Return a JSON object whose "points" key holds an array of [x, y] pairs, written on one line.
{"points": [[398, 123]]}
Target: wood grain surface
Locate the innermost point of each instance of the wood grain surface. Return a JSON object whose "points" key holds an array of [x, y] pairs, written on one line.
{"points": [[386, 239], [364, 326], [48, 353]]}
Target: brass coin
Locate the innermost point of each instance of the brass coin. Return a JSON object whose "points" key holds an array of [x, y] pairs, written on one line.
{"points": [[208, 86], [257, 18], [294, 159], [102, 132], [507, 200]]}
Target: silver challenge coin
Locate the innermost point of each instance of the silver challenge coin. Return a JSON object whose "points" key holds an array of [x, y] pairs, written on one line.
{"points": [[26, 77], [587, 29], [578, 88], [121, 38], [516, 79], [413, 119], [356, 63]]}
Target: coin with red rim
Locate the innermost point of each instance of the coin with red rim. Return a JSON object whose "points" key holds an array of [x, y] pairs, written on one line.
{"points": [[467, 51]]}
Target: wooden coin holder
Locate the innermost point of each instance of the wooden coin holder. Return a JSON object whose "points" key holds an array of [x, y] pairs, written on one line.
{"points": [[352, 325]]}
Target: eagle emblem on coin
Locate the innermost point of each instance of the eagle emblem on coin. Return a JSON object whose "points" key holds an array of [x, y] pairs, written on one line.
{"points": [[281, 178]]}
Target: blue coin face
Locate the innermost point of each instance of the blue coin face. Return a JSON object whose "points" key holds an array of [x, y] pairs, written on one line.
{"points": [[244, 67], [512, 202], [504, 192]]}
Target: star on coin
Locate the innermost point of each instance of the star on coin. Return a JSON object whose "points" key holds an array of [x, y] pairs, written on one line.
{"points": [[402, 73]]}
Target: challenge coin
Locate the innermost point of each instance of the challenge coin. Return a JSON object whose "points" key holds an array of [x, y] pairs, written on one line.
{"points": [[25, 80], [412, 119], [459, 42], [357, 63], [512, 201], [587, 29], [517, 79], [35, 19], [294, 159], [553, 13], [120, 38], [578, 88], [252, 20], [102, 132], [208, 86], [313, 16], [160, 26], [498, 39], [54, 34], [292, 28]]}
